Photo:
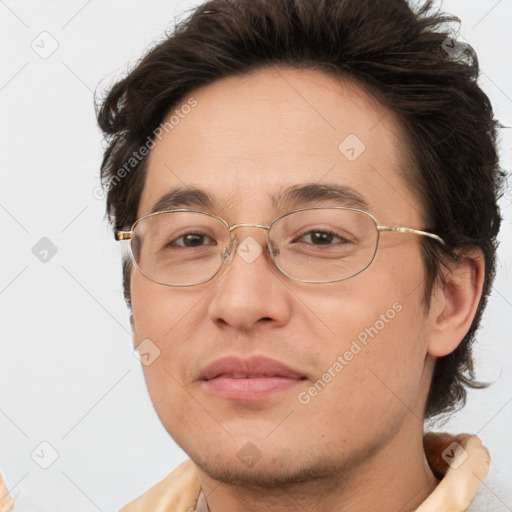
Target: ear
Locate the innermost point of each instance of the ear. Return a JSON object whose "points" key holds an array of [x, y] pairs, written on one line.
{"points": [[454, 302]]}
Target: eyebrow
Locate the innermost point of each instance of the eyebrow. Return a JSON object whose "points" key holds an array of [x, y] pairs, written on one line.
{"points": [[289, 198]]}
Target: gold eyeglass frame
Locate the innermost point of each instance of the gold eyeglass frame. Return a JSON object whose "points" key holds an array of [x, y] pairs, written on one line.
{"points": [[128, 235]]}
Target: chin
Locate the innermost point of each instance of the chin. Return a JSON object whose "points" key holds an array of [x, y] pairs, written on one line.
{"points": [[262, 474]]}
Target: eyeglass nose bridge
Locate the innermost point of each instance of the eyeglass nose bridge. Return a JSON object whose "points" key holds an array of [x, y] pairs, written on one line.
{"points": [[231, 249], [234, 226]]}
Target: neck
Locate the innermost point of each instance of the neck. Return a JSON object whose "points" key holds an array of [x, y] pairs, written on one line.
{"points": [[397, 474]]}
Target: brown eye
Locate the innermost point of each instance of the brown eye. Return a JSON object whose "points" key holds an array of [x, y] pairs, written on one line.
{"points": [[191, 240], [323, 238]]}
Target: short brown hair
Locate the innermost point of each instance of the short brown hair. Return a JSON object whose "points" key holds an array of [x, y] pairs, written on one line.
{"points": [[398, 54]]}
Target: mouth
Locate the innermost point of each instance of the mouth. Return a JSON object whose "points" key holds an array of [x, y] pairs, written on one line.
{"points": [[249, 388], [249, 379]]}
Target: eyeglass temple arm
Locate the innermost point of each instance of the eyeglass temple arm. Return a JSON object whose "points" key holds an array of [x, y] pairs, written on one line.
{"points": [[122, 235], [119, 234], [399, 229]]}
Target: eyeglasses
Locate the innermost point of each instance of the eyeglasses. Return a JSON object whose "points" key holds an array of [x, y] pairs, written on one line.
{"points": [[312, 245]]}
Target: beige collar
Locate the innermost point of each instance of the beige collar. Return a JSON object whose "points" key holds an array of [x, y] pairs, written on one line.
{"points": [[464, 461]]}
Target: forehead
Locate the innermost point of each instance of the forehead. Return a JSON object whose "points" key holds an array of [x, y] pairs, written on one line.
{"points": [[249, 139]]}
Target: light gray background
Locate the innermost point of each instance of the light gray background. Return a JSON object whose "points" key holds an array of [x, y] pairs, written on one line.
{"points": [[67, 372]]}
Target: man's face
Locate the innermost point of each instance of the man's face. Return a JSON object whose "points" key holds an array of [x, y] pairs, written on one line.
{"points": [[248, 138]]}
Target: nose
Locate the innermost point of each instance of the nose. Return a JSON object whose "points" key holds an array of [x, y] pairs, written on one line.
{"points": [[250, 290]]}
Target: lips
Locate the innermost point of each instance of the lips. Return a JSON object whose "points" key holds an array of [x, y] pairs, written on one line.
{"points": [[249, 379], [254, 367]]}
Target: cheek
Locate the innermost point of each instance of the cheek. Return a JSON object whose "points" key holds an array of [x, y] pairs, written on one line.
{"points": [[160, 311], [162, 319], [378, 332]]}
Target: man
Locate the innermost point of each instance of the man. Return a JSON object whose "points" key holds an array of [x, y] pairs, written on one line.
{"points": [[309, 193]]}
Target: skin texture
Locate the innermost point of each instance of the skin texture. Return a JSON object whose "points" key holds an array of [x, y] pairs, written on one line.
{"points": [[250, 136]]}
